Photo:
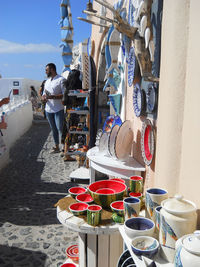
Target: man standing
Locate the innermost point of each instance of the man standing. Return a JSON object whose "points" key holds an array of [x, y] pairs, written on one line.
{"points": [[52, 95]]}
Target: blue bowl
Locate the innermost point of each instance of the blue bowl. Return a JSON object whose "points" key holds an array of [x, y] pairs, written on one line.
{"points": [[145, 246], [138, 226]]}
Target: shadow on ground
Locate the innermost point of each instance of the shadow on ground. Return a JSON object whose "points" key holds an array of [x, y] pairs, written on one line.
{"points": [[25, 198]]}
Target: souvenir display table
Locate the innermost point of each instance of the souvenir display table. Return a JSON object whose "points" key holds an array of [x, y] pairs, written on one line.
{"points": [[98, 246], [102, 162]]}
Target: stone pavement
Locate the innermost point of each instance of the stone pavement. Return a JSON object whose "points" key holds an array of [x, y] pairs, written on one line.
{"points": [[33, 181]]}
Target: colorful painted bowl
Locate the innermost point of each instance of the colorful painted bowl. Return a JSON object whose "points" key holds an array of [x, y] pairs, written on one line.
{"points": [[105, 191], [72, 252], [145, 246], [68, 265], [139, 226], [74, 191], [118, 207], [118, 180], [103, 199], [79, 208], [86, 198]]}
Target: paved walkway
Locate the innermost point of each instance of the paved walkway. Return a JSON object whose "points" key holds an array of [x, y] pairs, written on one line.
{"points": [[34, 180]]}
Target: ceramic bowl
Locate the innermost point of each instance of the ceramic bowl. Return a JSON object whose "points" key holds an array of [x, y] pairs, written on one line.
{"points": [[86, 198], [74, 191], [79, 208], [68, 265], [118, 180], [124, 256], [128, 262], [145, 246], [118, 207], [106, 199], [139, 226], [105, 191], [72, 252]]}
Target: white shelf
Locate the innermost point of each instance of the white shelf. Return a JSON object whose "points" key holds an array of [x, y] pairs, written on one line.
{"points": [[142, 263], [79, 94], [102, 162], [80, 173], [79, 132], [80, 112]]}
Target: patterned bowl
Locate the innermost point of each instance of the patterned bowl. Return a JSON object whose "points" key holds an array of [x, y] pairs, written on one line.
{"points": [[118, 207], [138, 226], [79, 208], [72, 252], [118, 180], [86, 198], [74, 191], [145, 246], [106, 199], [68, 265]]}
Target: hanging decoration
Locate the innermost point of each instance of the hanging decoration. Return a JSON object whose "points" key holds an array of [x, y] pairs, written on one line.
{"points": [[139, 100], [66, 33], [152, 98], [131, 66], [115, 100], [147, 142]]}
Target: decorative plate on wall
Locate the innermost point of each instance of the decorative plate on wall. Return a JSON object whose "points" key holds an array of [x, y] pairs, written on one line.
{"points": [[124, 140], [147, 142], [131, 66], [139, 100], [103, 142], [111, 140], [152, 98], [110, 122]]}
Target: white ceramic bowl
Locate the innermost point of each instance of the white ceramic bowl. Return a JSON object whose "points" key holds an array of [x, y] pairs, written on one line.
{"points": [[139, 226], [145, 246]]}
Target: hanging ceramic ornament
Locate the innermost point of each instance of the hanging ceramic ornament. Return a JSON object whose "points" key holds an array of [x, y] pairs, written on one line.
{"points": [[151, 50], [114, 45], [147, 142], [143, 25], [115, 100], [131, 66], [147, 37], [139, 101], [110, 122], [131, 13]]}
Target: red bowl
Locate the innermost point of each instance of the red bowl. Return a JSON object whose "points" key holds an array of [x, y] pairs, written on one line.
{"points": [[106, 199], [105, 191], [117, 186], [86, 198], [79, 208], [74, 191], [72, 252], [118, 180], [132, 194], [94, 208], [117, 205], [68, 265]]}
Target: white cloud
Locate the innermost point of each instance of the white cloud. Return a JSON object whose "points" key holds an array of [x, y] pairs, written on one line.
{"points": [[7, 47]]}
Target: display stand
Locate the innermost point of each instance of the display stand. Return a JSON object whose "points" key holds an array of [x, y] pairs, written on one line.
{"points": [[102, 162], [98, 246]]}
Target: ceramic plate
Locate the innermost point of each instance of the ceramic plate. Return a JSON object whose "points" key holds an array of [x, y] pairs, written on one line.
{"points": [[131, 66], [124, 256], [103, 142], [147, 142], [124, 140], [138, 100], [110, 122], [111, 140], [152, 98]]}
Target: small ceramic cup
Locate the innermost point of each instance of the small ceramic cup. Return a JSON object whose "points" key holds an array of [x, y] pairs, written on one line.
{"points": [[136, 184], [94, 215], [153, 198], [138, 195], [157, 214], [131, 207]]}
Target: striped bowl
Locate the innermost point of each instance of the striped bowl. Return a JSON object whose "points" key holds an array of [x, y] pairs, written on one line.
{"points": [[106, 199]]}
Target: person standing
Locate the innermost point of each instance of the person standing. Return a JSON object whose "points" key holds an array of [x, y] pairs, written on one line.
{"points": [[54, 109]]}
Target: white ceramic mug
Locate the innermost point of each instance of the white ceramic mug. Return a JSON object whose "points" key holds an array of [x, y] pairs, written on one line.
{"points": [[131, 207]]}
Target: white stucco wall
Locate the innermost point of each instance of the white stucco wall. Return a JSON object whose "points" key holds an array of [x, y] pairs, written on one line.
{"points": [[19, 119]]}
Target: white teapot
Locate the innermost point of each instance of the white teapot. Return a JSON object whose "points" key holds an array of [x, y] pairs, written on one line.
{"points": [[178, 217], [188, 251]]}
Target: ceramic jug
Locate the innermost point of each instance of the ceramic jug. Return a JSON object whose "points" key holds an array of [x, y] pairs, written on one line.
{"points": [[188, 251], [178, 217]]}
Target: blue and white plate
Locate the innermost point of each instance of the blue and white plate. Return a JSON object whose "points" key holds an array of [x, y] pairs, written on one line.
{"points": [[131, 66], [138, 100], [152, 98]]}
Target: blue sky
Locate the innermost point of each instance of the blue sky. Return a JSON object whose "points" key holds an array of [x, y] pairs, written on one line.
{"points": [[30, 36]]}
